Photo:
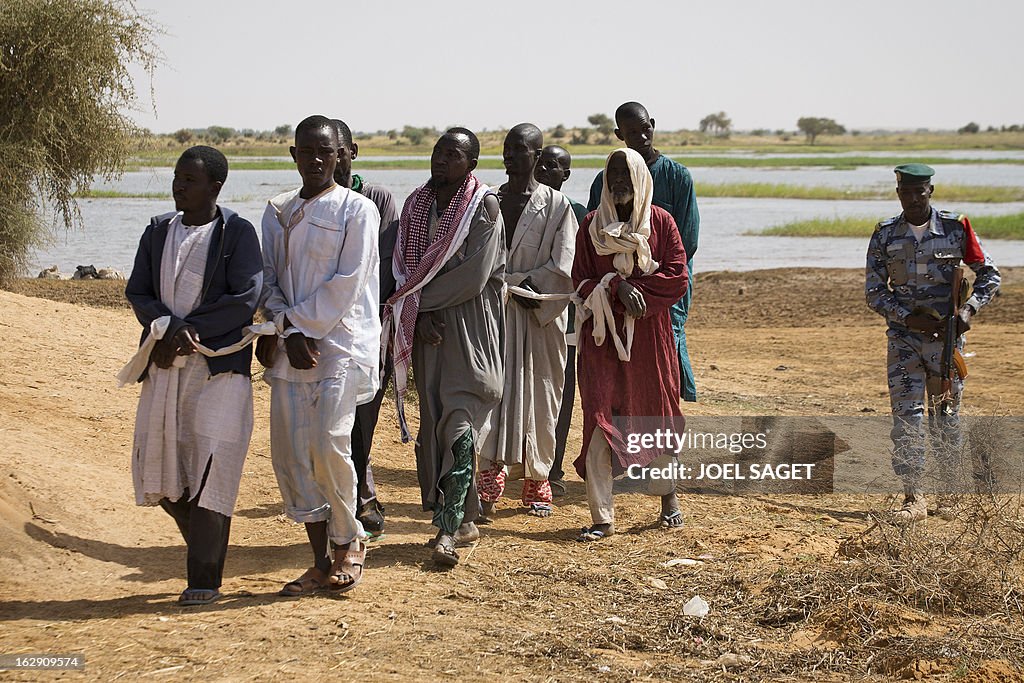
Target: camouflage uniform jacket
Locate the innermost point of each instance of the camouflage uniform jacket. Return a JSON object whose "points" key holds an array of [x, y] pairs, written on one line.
{"points": [[902, 274]]}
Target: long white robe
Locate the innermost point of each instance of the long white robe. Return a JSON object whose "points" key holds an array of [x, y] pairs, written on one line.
{"points": [[190, 424], [521, 432]]}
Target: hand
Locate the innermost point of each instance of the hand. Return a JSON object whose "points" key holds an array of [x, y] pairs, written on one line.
{"points": [[963, 320], [163, 353], [522, 300], [266, 350], [924, 324], [633, 299], [186, 341], [429, 330], [302, 351]]}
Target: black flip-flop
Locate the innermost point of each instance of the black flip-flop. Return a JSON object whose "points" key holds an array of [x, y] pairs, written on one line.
{"points": [[590, 535], [669, 521], [198, 596]]}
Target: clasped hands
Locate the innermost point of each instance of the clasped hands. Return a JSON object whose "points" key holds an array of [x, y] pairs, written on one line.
{"points": [[185, 342], [302, 350], [524, 301], [633, 299]]}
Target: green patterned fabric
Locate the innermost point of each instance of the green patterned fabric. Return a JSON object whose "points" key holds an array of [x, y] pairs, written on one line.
{"points": [[450, 507]]}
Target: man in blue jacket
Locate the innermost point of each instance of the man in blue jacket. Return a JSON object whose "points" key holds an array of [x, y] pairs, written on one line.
{"points": [[197, 279]]}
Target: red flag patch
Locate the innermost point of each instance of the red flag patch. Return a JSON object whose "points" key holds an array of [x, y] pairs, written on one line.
{"points": [[972, 247]]}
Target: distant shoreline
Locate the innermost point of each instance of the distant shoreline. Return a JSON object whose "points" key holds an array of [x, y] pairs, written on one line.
{"points": [[795, 160], [986, 194]]}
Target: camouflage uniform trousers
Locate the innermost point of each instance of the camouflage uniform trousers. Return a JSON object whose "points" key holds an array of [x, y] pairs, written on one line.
{"points": [[914, 369]]}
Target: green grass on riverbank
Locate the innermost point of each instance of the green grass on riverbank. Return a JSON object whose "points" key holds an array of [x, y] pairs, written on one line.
{"points": [[1005, 227], [947, 193], [117, 194]]}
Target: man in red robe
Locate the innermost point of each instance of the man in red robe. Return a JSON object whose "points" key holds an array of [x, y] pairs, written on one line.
{"points": [[630, 268]]}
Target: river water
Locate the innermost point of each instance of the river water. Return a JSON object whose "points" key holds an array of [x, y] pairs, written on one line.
{"points": [[112, 227]]}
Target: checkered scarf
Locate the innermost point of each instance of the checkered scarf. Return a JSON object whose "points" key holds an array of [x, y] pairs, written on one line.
{"points": [[416, 261]]}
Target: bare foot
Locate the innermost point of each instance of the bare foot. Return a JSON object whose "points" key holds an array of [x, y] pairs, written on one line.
{"points": [[466, 533], [486, 512]]}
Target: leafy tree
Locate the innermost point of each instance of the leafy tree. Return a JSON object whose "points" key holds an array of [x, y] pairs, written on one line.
{"points": [[184, 136], [813, 126], [718, 124], [415, 135], [580, 136], [605, 126], [64, 88], [285, 130], [559, 132], [218, 134]]}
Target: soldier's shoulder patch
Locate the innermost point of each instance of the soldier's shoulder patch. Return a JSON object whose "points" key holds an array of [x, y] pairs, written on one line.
{"points": [[887, 222], [951, 216]]}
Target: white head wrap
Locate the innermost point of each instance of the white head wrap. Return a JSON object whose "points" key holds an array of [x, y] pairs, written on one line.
{"points": [[626, 238]]}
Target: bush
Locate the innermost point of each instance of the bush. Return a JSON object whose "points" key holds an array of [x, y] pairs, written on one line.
{"points": [[220, 134], [65, 86]]}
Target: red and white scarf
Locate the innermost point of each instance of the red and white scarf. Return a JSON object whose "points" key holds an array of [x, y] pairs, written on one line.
{"points": [[417, 259]]}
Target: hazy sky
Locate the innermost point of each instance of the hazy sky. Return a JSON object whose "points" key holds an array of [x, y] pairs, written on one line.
{"points": [[386, 63]]}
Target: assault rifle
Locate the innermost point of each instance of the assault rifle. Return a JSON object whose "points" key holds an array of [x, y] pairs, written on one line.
{"points": [[953, 363]]}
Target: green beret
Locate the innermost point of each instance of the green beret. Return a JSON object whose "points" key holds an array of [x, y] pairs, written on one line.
{"points": [[914, 173]]}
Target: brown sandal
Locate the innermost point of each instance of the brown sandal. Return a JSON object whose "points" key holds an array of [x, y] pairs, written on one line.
{"points": [[345, 566], [312, 581], [445, 555]]}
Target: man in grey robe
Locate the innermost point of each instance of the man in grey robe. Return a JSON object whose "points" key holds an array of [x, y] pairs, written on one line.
{"points": [[553, 169], [541, 241], [446, 318]]}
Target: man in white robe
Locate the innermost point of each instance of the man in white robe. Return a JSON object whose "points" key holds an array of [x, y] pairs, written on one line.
{"points": [[321, 290]]}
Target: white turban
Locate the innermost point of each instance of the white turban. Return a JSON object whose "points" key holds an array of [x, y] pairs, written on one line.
{"points": [[626, 238]]}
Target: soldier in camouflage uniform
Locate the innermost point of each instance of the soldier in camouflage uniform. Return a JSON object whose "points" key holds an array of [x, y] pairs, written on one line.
{"points": [[910, 265]]}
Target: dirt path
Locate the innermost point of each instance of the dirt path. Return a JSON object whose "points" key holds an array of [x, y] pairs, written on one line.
{"points": [[85, 571]]}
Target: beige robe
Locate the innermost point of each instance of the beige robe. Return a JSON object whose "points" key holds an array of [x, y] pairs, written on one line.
{"points": [[520, 433]]}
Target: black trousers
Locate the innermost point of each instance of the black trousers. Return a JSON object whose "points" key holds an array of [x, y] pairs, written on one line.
{"points": [[206, 535], [362, 441], [564, 415]]}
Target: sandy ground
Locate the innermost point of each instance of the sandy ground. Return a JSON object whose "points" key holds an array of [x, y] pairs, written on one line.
{"points": [[86, 571]]}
